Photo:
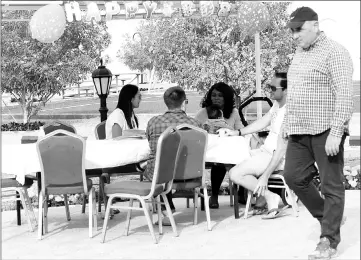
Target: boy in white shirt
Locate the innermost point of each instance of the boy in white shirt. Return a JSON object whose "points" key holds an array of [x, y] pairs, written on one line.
{"points": [[253, 173]]}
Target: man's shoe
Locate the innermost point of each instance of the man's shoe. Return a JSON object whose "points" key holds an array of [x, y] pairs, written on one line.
{"points": [[323, 250]]}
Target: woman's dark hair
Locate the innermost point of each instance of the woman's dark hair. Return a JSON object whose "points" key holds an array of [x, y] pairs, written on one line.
{"points": [[228, 96], [283, 77], [126, 94]]}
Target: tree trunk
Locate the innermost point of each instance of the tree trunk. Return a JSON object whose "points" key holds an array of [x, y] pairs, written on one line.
{"points": [[152, 73], [25, 113]]}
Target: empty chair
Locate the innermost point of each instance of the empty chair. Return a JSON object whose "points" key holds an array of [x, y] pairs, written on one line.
{"points": [[147, 192], [56, 125], [105, 177], [190, 167], [62, 159], [11, 189]]}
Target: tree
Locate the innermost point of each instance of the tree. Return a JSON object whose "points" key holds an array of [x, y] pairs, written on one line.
{"points": [[33, 72], [197, 52]]}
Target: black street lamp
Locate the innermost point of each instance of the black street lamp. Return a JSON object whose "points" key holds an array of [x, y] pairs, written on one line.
{"points": [[102, 79]]}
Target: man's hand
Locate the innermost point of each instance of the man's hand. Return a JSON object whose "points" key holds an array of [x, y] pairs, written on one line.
{"points": [[261, 187], [332, 145], [283, 132], [227, 132]]}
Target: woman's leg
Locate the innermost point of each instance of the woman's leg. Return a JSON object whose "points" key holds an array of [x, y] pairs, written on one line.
{"points": [[218, 171]]}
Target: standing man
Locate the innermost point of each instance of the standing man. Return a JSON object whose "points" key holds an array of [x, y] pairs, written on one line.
{"points": [[319, 107]]}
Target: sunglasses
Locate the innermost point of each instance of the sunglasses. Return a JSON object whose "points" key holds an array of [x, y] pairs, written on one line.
{"points": [[273, 88]]}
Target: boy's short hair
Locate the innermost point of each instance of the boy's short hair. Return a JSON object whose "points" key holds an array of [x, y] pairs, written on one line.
{"points": [[174, 97]]}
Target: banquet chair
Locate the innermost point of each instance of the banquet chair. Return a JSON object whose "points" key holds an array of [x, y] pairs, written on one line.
{"points": [[62, 160], [148, 192], [55, 125], [10, 189], [276, 180], [99, 135], [190, 168], [105, 177]]}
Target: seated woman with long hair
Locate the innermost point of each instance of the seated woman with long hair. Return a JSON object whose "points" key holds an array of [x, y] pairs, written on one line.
{"points": [[123, 116], [222, 96]]}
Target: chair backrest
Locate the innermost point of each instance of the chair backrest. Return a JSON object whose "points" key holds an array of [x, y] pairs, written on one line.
{"points": [[192, 152], [100, 131], [166, 157], [62, 160], [55, 125]]}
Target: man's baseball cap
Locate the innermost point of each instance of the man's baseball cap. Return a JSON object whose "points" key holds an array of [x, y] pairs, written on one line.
{"points": [[300, 16]]}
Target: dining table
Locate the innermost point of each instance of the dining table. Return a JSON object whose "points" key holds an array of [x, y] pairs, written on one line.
{"points": [[20, 160]]}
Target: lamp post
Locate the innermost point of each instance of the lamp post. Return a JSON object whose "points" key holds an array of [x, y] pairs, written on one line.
{"points": [[102, 79]]}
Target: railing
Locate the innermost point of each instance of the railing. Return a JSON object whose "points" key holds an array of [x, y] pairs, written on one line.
{"points": [[89, 86]]}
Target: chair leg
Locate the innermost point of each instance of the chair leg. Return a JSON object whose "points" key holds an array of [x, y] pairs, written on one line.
{"points": [[187, 203], [235, 200], [83, 206], [66, 207], [206, 202], [100, 192], [31, 210], [195, 207], [249, 197], [18, 208], [101, 185], [293, 199], [230, 185], [147, 216], [45, 214], [25, 206], [40, 217], [129, 215], [95, 213], [90, 205], [159, 215], [169, 211], [106, 218]]}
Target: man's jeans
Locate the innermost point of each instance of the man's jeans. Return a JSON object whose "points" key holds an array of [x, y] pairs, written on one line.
{"points": [[302, 152]]}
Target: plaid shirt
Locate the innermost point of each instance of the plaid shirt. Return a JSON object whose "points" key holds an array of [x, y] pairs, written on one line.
{"points": [[319, 89], [156, 126]]}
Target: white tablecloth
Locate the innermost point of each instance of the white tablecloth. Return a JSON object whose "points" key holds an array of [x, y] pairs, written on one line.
{"points": [[22, 159]]}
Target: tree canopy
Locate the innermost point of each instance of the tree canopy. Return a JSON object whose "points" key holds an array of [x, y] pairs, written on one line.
{"points": [[33, 71], [198, 52]]}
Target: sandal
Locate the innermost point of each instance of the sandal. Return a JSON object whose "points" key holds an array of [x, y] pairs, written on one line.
{"points": [[213, 203], [277, 213]]}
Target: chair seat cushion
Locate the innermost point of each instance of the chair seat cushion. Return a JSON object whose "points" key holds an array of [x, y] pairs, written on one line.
{"points": [[187, 184], [75, 188], [12, 182], [132, 187]]}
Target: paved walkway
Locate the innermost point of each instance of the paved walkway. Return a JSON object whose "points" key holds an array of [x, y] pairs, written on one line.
{"points": [[283, 238]]}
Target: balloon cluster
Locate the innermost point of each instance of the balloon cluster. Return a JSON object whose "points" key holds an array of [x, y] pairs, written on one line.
{"points": [[48, 23], [253, 17]]}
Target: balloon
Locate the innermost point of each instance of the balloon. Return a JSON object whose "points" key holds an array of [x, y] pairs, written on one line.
{"points": [[48, 23], [253, 17]]}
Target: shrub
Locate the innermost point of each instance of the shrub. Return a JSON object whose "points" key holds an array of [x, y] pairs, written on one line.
{"points": [[352, 178], [12, 126]]}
